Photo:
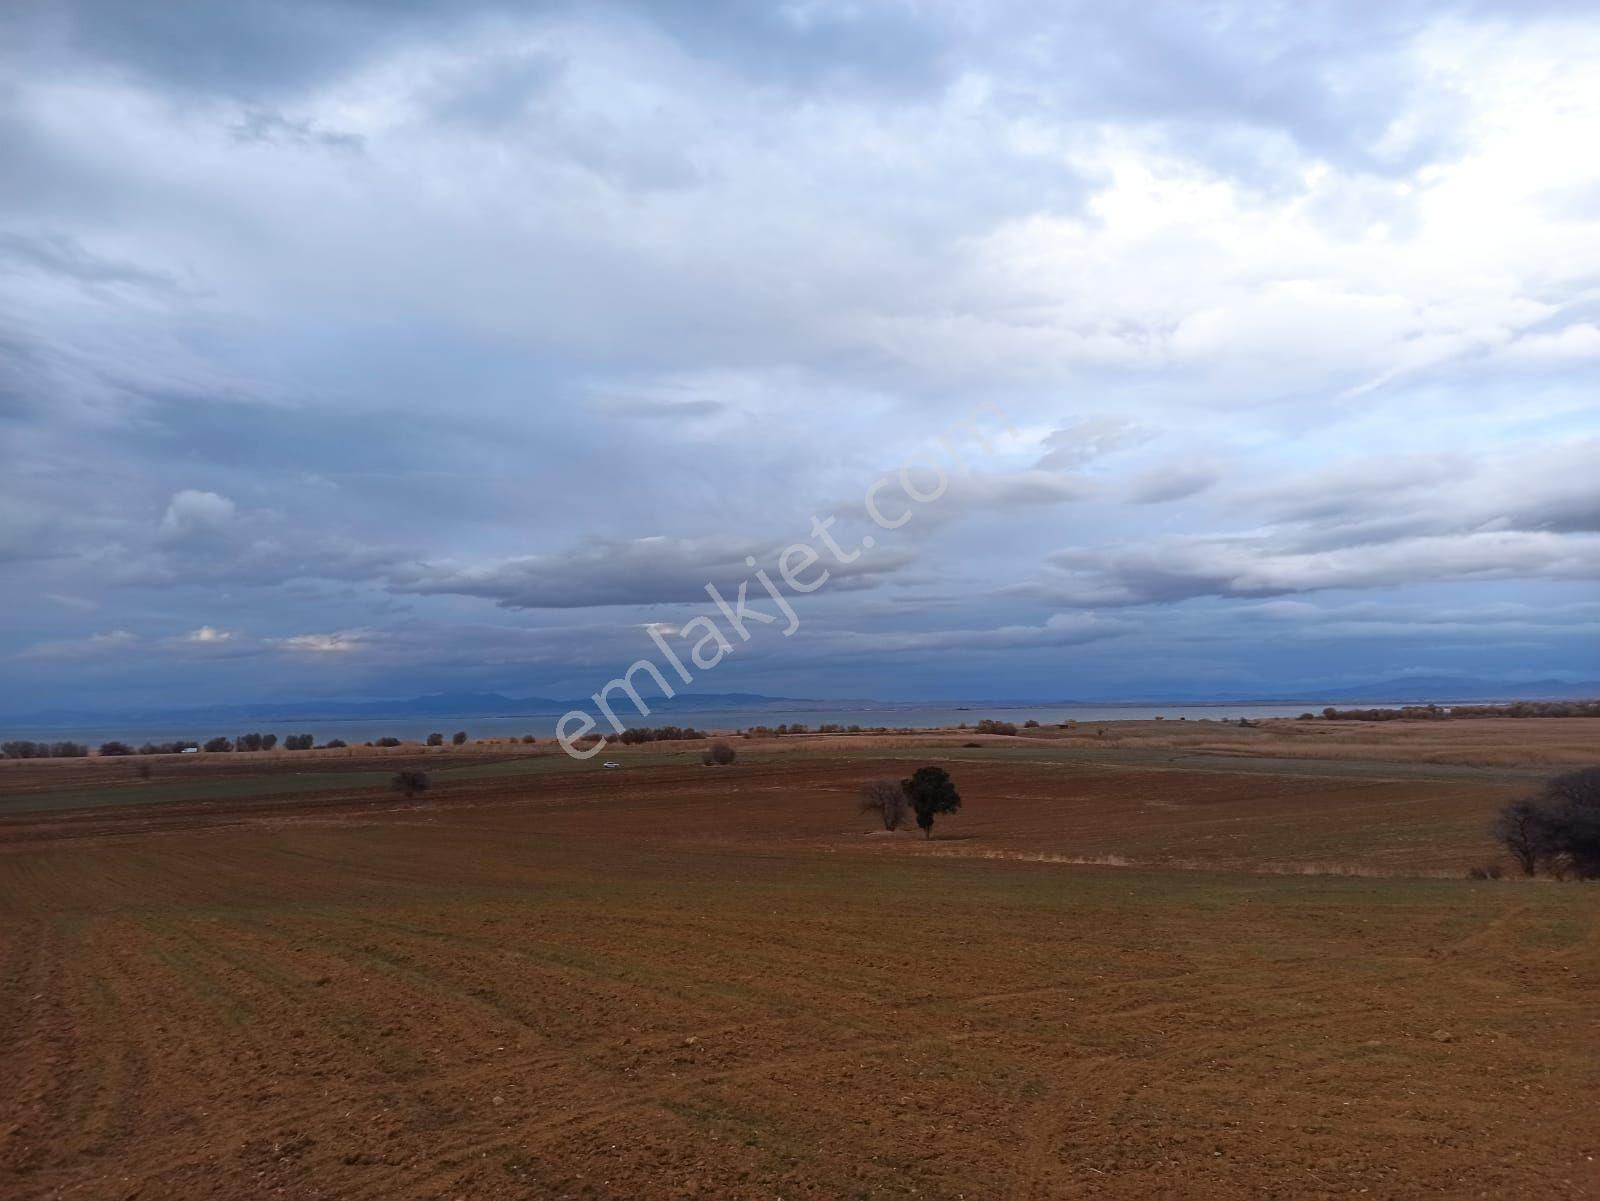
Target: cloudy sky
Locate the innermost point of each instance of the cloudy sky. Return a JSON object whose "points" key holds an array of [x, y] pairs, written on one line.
{"points": [[359, 349]]}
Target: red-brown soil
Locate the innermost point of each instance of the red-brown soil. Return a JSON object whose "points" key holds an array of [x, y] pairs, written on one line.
{"points": [[675, 981]]}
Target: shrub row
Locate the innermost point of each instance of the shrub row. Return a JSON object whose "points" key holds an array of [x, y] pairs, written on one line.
{"points": [[635, 734], [23, 749], [1443, 713]]}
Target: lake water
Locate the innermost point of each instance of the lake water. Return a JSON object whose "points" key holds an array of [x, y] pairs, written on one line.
{"points": [[542, 725]]}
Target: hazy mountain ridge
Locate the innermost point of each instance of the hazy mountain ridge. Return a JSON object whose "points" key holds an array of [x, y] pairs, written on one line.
{"points": [[1448, 688], [1412, 690], [440, 704]]}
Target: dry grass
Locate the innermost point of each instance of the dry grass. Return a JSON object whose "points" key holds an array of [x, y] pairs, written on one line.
{"points": [[1482, 742]]}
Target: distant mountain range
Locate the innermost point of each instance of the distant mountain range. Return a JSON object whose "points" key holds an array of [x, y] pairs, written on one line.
{"points": [[1456, 688], [1408, 690]]}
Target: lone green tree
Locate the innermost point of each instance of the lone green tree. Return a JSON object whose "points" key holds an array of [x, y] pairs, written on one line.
{"points": [[931, 793]]}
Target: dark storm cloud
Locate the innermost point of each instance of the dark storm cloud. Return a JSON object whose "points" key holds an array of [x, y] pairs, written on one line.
{"points": [[1179, 569], [205, 538], [644, 571], [1368, 524], [243, 50], [254, 50]]}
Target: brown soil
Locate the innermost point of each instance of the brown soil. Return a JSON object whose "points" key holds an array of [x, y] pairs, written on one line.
{"points": [[676, 981]]}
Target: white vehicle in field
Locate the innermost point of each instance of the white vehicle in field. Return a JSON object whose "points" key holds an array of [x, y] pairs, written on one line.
{"points": [[611, 763]]}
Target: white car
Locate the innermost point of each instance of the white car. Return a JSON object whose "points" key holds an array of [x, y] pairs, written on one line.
{"points": [[611, 763]]}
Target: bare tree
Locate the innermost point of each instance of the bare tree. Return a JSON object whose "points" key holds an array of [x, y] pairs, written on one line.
{"points": [[1520, 828], [886, 799]]}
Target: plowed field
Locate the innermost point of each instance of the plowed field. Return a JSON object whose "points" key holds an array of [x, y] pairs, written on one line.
{"points": [[1099, 980]]}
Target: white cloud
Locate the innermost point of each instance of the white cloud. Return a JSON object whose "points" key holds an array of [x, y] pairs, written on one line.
{"points": [[208, 636], [194, 514], [341, 643], [1572, 343]]}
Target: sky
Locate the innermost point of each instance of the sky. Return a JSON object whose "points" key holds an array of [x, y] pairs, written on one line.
{"points": [[357, 350]]}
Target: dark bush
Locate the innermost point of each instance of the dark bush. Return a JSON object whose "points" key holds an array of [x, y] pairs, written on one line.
{"points": [[388, 742], [720, 754], [1030, 724], [218, 744], [300, 742], [410, 782], [458, 738], [115, 748], [268, 741], [1558, 828], [332, 744], [528, 740], [436, 739]]}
